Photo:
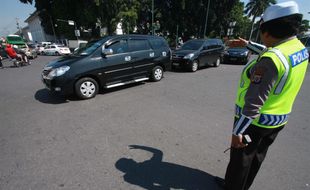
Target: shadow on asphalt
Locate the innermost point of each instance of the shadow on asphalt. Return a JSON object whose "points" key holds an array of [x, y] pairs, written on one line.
{"points": [[47, 97], [154, 174]]}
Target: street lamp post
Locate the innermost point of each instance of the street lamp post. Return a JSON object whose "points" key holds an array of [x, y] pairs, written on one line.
{"points": [[53, 28], [51, 21], [206, 23], [152, 17]]}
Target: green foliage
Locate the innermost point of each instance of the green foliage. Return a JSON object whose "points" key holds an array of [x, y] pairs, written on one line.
{"points": [[304, 26], [186, 18]]}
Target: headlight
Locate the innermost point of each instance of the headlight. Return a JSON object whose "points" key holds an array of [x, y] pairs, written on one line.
{"points": [[58, 72], [244, 53], [189, 56]]}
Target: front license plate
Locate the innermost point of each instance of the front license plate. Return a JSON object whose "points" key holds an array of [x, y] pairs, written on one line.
{"points": [[175, 64]]}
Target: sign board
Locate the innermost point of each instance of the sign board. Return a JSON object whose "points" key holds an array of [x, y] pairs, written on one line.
{"points": [[77, 32], [71, 22]]}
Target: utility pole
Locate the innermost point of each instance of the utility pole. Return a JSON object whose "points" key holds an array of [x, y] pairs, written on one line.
{"points": [[152, 17], [206, 23], [18, 27]]}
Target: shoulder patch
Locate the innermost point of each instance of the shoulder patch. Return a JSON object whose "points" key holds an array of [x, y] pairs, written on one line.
{"points": [[299, 57], [257, 76]]}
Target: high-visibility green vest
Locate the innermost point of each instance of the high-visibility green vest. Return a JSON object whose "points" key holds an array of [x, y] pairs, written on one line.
{"points": [[291, 61]]}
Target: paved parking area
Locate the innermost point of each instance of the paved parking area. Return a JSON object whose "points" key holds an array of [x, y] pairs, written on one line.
{"points": [[179, 127]]}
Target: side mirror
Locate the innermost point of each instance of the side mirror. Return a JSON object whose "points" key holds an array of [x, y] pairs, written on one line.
{"points": [[106, 51]]}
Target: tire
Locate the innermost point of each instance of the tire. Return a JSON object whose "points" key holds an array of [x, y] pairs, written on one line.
{"points": [[194, 66], [217, 62], [56, 53], [157, 73], [86, 88]]}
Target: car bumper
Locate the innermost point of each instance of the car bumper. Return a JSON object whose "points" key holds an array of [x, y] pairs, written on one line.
{"points": [[181, 63], [237, 60], [60, 85]]}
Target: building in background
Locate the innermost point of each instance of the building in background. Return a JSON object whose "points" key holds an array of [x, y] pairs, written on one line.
{"points": [[36, 31]]}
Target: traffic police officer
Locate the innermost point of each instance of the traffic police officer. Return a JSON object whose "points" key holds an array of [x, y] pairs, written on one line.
{"points": [[266, 92]]}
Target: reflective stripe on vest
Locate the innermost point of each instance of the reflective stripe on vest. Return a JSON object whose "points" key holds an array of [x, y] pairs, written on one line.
{"points": [[286, 65], [266, 119]]}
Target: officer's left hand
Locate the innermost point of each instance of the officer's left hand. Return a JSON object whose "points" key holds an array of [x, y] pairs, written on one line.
{"points": [[236, 141]]}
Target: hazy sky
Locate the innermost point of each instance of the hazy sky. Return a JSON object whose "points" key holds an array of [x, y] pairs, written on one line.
{"points": [[10, 10]]}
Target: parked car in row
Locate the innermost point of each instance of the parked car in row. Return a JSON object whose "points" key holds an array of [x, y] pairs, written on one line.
{"points": [[109, 62], [196, 53], [237, 55], [56, 49], [306, 41]]}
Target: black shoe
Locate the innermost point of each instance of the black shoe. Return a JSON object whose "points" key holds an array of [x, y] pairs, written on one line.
{"points": [[220, 182]]}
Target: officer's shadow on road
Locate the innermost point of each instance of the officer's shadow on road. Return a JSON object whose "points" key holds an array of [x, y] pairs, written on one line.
{"points": [[45, 96], [154, 174]]}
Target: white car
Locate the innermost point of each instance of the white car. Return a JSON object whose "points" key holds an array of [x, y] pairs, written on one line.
{"points": [[55, 49]]}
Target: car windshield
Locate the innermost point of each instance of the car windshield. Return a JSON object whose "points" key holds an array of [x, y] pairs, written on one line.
{"points": [[90, 47], [192, 45]]}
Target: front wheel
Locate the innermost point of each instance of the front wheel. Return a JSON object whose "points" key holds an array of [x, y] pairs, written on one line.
{"points": [[157, 73], [86, 88], [194, 66], [217, 62]]}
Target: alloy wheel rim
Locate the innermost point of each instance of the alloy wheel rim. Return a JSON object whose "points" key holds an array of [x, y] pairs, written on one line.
{"points": [[217, 62], [87, 88], [195, 66], [158, 74]]}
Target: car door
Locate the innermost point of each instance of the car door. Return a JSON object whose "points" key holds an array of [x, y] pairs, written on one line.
{"points": [[204, 54], [142, 56], [117, 67], [47, 50], [52, 50], [212, 49]]}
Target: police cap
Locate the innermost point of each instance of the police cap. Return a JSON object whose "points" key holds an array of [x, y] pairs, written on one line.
{"points": [[280, 10]]}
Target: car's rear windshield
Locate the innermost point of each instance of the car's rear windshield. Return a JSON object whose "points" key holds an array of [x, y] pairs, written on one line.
{"points": [[192, 45]]}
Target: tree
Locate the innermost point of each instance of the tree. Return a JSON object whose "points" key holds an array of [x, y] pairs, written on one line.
{"points": [[256, 8], [304, 27]]}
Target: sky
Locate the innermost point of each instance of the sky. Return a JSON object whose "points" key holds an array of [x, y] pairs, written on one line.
{"points": [[10, 10], [13, 10]]}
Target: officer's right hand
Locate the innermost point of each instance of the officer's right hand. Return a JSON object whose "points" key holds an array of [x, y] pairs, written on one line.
{"points": [[236, 141]]}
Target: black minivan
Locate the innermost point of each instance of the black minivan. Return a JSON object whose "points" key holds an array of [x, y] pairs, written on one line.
{"points": [[109, 62], [196, 53]]}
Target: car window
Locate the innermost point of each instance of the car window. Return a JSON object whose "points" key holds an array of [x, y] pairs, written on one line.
{"points": [[192, 45], [119, 46], [139, 44], [53, 47], [157, 43]]}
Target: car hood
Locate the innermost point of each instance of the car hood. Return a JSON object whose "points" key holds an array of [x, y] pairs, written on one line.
{"points": [[237, 51], [184, 52], [62, 61]]}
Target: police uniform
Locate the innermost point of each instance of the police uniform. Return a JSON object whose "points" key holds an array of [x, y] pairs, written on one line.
{"points": [[265, 96]]}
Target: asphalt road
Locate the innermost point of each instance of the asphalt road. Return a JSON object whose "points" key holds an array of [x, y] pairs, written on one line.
{"points": [[181, 126]]}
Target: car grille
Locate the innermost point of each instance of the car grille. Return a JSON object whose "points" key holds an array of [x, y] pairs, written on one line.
{"points": [[177, 56]]}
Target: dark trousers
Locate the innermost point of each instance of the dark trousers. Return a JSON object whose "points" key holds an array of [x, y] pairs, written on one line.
{"points": [[245, 162]]}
